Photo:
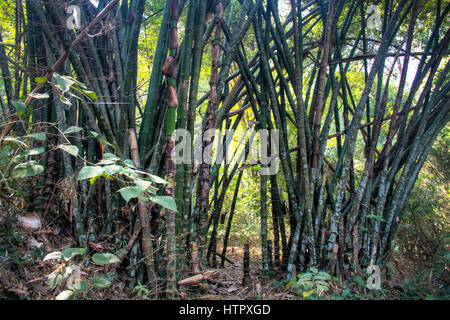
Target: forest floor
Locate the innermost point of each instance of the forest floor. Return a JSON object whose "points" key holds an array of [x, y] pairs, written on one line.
{"points": [[227, 283], [23, 275]]}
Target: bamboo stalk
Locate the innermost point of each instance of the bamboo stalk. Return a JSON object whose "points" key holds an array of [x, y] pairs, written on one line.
{"points": [[147, 245]]}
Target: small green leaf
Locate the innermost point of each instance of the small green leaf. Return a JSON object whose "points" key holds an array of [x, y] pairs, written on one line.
{"points": [[4, 155], [103, 140], [66, 295], [69, 253], [157, 179], [27, 169], [55, 279], [77, 97], [305, 277], [112, 169], [322, 276], [90, 94], [105, 258], [35, 151], [20, 107], [68, 270], [53, 255], [89, 172], [360, 281], [72, 129], [129, 163], [64, 82], [129, 193], [165, 201], [110, 156], [322, 284], [92, 180], [130, 172], [376, 217], [71, 149], [307, 293], [142, 185], [81, 286], [288, 286], [65, 100], [31, 152], [101, 281], [40, 79], [41, 136], [105, 162], [143, 198]]}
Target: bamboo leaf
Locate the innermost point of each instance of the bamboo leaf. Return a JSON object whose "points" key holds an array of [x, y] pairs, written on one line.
{"points": [[65, 100], [64, 83], [104, 141], [90, 94]]}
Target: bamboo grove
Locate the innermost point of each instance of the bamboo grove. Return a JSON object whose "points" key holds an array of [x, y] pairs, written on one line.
{"points": [[349, 152]]}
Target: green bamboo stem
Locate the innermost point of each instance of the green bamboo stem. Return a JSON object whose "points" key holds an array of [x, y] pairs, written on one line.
{"points": [[230, 219]]}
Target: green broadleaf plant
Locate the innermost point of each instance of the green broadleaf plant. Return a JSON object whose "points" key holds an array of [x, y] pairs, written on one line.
{"points": [[105, 258]]}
